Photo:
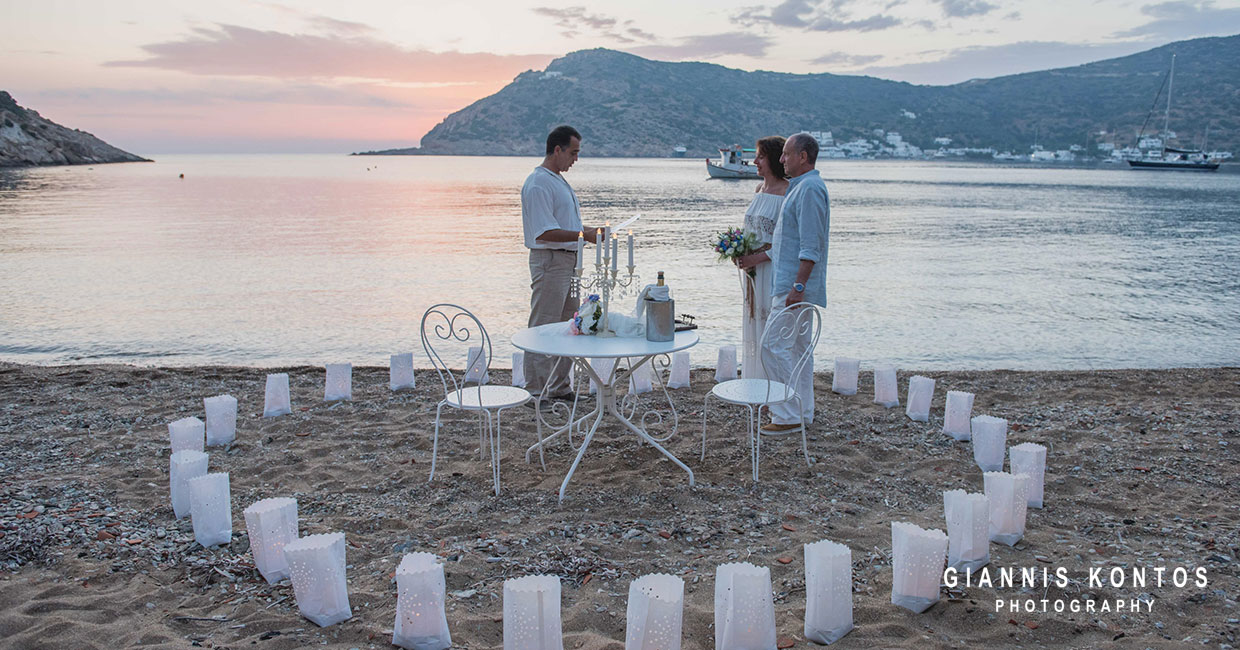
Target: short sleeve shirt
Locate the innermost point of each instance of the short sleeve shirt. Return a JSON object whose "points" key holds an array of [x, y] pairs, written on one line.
{"points": [[548, 203]]}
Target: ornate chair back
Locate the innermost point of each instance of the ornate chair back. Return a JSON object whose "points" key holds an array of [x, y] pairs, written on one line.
{"points": [[447, 327], [790, 322]]}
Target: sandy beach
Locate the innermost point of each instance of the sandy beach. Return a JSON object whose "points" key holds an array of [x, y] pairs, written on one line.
{"points": [[1141, 473]]}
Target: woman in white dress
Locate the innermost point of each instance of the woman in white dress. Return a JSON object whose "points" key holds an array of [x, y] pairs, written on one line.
{"points": [[760, 219]]}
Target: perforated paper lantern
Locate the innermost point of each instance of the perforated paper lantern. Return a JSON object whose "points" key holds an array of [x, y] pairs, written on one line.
{"points": [[828, 591], [187, 433], [271, 525], [642, 379], [968, 529], [679, 375], [886, 390], [917, 557], [989, 442], [276, 400], [339, 383], [655, 613], [182, 467], [221, 419], [421, 623], [725, 368], [844, 379], [210, 507], [400, 372], [317, 570], [518, 369], [920, 392], [532, 613], [1009, 502], [957, 413], [603, 368], [744, 610], [476, 366], [1030, 458]]}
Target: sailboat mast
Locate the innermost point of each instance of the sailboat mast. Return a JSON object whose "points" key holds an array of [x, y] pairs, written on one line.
{"points": [[1170, 81]]}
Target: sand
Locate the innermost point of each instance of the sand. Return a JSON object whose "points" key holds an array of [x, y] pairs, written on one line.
{"points": [[1142, 473]]}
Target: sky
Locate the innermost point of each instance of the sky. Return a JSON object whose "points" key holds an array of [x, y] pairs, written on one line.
{"points": [[232, 76]]}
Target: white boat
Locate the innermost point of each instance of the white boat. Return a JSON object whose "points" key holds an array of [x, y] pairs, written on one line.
{"points": [[1171, 158], [732, 164], [679, 152]]}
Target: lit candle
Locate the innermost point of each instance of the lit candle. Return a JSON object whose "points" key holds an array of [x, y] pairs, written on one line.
{"points": [[615, 251], [598, 246], [581, 244], [630, 248]]}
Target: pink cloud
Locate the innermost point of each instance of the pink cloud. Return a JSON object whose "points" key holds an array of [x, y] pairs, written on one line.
{"points": [[232, 50]]}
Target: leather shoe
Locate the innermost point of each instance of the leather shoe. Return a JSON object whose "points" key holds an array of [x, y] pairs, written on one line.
{"points": [[779, 428]]}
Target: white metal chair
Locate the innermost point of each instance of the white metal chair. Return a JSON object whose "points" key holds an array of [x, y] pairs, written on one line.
{"points": [[451, 325], [800, 319]]}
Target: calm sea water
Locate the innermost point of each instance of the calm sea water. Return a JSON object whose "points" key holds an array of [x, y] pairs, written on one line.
{"points": [[269, 260]]}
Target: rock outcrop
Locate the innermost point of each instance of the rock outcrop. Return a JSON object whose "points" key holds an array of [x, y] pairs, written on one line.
{"points": [[27, 139]]}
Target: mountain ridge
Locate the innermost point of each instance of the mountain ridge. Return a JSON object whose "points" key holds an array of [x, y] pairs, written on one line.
{"points": [[29, 139]]}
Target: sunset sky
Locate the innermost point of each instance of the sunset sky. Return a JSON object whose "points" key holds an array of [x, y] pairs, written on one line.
{"points": [[159, 76]]}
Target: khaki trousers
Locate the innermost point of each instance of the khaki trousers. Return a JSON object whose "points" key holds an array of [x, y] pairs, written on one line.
{"points": [[550, 302]]}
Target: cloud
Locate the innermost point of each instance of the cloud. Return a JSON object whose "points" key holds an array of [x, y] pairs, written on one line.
{"points": [[707, 46], [232, 50], [1182, 19], [320, 22], [572, 19], [983, 62], [966, 8], [807, 15], [228, 93], [846, 60]]}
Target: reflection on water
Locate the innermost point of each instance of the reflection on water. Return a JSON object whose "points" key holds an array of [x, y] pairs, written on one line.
{"points": [[267, 260]]}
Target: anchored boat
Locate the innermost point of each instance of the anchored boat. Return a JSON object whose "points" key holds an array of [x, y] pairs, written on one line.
{"points": [[732, 164]]}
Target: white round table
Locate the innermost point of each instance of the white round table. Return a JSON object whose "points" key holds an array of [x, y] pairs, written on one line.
{"points": [[555, 340]]}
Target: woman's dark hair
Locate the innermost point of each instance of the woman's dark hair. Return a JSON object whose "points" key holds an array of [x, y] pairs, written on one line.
{"points": [[561, 136], [773, 147]]}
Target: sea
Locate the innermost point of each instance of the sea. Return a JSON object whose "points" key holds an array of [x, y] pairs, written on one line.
{"points": [[277, 260]]}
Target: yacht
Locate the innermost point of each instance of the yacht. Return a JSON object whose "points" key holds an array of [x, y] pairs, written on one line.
{"points": [[1171, 158]]}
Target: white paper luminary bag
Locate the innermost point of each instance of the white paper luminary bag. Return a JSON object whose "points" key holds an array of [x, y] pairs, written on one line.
{"points": [[744, 609], [725, 368], [339, 383], [317, 569], [968, 529], [276, 400], [655, 613], [210, 506], [642, 379], [532, 613], [421, 623], [221, 419], [400, 371], [187, 433], [271, 525], [1030, 458], [989, 442], [828, 591], [957, 413], [1009, 502], [182, 467], [518, 369], [679, 375], [920, 392], [844, 379], [603, 368], [886, 390], [917, 557], [476, 366]]}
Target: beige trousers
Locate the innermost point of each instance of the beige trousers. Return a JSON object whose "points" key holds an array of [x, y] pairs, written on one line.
{"points": [[550, 302]]}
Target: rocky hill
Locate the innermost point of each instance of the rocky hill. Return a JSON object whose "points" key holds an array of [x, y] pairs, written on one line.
{"points": [[625, 105], [26, 139]]}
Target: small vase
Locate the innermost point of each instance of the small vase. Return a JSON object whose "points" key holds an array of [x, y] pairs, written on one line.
{"points": [[956, 415], [317, 569], [183, 466], [989, 442], [221, 419], [421, 623], [968, 529], [276, 400], [1009, 502], [187, 434], [532, 613], [917, 557], [844, 379], [271, 525], [679, 375], [339, 383], [725, 368], [400, 372], [744, 609], [655, 613], [1030, 458], [828, 591], [920, 392], [210, 506], [886, 391]]}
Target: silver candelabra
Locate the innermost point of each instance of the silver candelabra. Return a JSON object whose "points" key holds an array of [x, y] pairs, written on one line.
{"points": [[605, 281]]}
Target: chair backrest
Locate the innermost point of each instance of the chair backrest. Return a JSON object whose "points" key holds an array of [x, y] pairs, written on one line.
{"points": [[446, 326], [790, 322]]}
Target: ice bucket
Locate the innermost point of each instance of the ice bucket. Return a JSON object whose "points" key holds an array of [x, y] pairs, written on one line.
{"points": [[660, 320]]}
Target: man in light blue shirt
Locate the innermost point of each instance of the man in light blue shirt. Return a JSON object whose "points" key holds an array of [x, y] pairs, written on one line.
{"points": [[799, 255]]}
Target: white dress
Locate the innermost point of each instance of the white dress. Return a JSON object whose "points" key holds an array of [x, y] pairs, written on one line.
{"points": [[760, 219]]}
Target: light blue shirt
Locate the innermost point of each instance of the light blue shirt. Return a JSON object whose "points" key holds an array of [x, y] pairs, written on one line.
{"points": [[802, 232]]}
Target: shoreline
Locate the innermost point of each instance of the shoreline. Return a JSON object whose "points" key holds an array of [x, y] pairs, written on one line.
{"points": [[94, 438]]}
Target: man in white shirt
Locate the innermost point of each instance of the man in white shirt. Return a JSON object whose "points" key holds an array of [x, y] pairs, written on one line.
{"points": [[551, 219]]}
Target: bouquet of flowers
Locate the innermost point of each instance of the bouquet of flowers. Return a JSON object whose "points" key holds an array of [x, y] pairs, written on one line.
{"points": [[588, 318], [734, 243]]}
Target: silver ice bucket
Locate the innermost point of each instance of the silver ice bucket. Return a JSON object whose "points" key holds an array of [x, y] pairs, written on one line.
{"points": [[660, 320]]}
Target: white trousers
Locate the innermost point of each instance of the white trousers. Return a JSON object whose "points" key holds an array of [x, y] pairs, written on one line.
{"points": [[782, 353]]}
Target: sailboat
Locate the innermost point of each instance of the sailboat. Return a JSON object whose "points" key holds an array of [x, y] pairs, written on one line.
{"points": [[1171, 157]]}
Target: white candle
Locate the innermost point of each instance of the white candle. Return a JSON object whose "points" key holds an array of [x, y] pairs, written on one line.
{"points": [[598, 246], [615, 252], [630, 248], [581, 244]]}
